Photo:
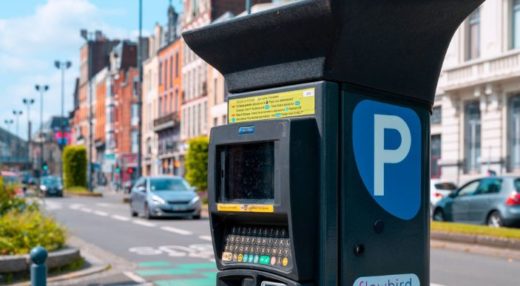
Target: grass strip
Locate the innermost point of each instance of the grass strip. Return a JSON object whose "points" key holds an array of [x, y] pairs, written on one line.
{"points": [[509, 233]]}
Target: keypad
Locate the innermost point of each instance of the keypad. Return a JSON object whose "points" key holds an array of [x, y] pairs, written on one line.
{"points": [[268, 246]]}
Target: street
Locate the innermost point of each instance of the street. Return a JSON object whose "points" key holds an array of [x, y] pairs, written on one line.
{"points": [[179, 252]]}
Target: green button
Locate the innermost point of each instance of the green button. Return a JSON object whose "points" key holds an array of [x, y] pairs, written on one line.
{"points": [[265, 260]]}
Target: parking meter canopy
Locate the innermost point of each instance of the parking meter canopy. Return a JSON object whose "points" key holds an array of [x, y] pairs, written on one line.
{"points": [[395, 46]]}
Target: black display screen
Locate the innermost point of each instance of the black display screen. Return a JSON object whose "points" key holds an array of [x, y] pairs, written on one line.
{"points": [[248, 172]]}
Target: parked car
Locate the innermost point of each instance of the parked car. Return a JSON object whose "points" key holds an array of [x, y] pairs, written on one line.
{"points": [[164, 197], [13, 179], [439, 190], [494, 201], [51, 186]]}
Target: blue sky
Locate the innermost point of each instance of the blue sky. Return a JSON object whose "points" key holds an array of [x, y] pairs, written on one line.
{"points": [[35, 33]]}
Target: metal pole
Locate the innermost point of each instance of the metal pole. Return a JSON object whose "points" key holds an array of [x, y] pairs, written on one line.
{"points": [[90, 129], [38, 268], [248, 6], [41, 137], [139, 90]]}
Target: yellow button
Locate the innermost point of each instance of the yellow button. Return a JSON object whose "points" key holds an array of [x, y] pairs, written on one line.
{"points": [[285, 262], [227, 256], [240, 257]]}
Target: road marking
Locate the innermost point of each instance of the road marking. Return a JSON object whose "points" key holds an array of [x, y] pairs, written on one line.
{"points": [[121, 218], [100, 213], [75, 206], [136, 278], [433, 284], [205, 237], [176, 230], [144, 223], [86, 210]]}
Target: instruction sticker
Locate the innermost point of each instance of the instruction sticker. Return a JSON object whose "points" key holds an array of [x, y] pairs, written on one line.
{"points": [[389, 280], [245, 208], [292, 103]]}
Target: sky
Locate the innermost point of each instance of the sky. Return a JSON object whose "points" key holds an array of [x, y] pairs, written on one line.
{"points": [[35, 33]]}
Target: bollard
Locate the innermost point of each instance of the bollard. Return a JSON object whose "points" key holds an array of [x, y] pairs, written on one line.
{"points": [[38, 268]]}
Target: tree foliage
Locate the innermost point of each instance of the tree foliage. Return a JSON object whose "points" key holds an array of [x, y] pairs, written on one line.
{"points": [[197, 163], [75, 166]]}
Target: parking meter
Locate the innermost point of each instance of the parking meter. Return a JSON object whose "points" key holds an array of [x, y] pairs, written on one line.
{"points": [[321, 176]]}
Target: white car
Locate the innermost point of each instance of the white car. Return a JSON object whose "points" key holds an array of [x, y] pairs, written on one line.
{"points": [[439, 190]]}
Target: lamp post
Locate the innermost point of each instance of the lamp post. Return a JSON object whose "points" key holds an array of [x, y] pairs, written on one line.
{"points": [[139, 90], [89, 38], [41, 89], [17, 114], [62, 66], [8, 123], [28, 102]]}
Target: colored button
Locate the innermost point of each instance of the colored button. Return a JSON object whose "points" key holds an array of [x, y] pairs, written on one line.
{"points": [[285, 261], [256, 259], [251, 258], [246, 258], [264, 260], [240, 257], [273, 261], [227, 256]]}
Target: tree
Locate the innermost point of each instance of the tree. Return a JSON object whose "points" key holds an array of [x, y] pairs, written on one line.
{"points": [[75, 166], [197, 163]]}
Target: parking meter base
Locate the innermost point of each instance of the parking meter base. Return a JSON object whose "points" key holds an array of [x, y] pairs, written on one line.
{"points": [[254, 278]]}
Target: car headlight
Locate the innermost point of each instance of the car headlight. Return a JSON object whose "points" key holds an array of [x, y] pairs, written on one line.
{"points": [[158, 200], [43, 188], [195, 200]]}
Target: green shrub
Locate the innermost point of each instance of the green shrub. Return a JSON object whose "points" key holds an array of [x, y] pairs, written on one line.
{"points": [[21, 231], [197, 163], [75, 166], [8, 199]]}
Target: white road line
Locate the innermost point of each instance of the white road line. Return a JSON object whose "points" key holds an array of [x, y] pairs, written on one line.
{"points": [[120, 217], [86, 210], [100, 213], [176, 230], [136, 278], [144, 223], [75, 206], [205, 237], [433, 284]]}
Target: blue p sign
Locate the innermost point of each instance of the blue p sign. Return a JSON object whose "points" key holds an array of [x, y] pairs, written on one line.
{"points": [[387, 150]]}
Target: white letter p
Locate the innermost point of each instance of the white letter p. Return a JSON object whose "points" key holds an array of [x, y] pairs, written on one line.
{"points": [[384, 156]]}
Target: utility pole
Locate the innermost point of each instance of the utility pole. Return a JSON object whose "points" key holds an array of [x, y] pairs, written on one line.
{"points": [[28, 102], [140, 90], [17, 114], [88, 37], [62, 65], [8, 123], [41, 89]]}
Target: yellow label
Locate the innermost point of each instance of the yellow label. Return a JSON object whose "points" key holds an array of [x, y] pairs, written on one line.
{"points": [[245, 208], [292, 103]]}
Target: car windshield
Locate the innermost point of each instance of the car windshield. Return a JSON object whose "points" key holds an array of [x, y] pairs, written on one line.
{"points": [[51, 181], [167, 184]]}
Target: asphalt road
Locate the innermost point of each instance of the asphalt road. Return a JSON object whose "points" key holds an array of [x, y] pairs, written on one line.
{"points": [[179, 252]]}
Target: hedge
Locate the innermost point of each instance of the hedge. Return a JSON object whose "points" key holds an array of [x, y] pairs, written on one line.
{"points": [[197, 163], [75, 166]]}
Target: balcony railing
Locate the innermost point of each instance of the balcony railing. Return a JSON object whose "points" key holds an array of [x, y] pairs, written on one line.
{"points": [[170, 120], [482, 71]]}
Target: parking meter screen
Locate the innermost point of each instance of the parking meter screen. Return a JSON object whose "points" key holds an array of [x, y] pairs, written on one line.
{"points": [[250, 172]]}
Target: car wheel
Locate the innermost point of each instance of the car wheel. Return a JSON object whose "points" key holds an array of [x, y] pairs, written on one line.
{"points": [[438, 215], [495, 220], [132, 212], [196, 216]]}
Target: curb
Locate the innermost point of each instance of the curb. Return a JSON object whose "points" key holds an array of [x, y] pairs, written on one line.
{"points": [[477, 239], [20, 263], [73, 275]]}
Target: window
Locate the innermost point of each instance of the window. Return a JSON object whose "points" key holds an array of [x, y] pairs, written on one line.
{"points": [[134, 141], [177, 64], [489, 186], [469, 189], [436, 117], [160, 105], [171, 71], [435, 156], [215, 87], [472, 136], [473, 36], [135, 114], [515, 21], [160, 73], [514, 132]]}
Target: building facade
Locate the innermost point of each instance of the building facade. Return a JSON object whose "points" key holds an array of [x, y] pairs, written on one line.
{"points": [[476, 116]]}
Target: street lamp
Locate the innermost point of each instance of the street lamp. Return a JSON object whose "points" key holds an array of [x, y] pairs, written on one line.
{"points": [[41, 89], [139, 90], [89, 37], [8, 123], [62, 65], [17, 114], [28, 102]]}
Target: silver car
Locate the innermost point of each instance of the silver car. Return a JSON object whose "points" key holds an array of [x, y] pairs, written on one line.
{"points": [[164, 197], [494, 201]]}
